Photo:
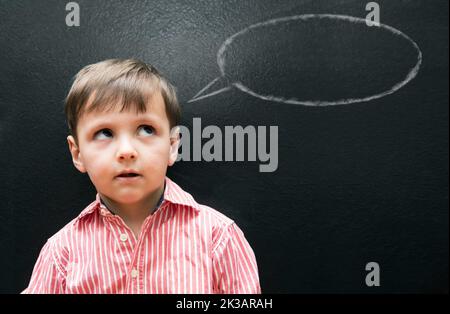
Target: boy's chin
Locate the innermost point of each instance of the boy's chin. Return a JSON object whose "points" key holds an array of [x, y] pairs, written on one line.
{"points": [[129, 198], [123, 197]]}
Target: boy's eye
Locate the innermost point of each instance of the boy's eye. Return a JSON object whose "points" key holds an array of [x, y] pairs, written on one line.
{"points": [[148, 130], [144, 130], [105, 132]]}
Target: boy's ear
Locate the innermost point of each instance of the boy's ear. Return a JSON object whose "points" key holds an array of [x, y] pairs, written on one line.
{"points": [[75, 152], [174, 144]]}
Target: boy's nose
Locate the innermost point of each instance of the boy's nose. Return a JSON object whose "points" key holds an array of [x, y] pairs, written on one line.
{"points": [[127, 155], [126, 150]]}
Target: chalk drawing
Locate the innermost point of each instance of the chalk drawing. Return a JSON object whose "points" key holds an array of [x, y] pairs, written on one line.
{"points": [[222, 84]]}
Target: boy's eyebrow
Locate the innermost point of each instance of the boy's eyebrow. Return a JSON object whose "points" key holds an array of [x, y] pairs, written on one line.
{"points": [[146, 119]]}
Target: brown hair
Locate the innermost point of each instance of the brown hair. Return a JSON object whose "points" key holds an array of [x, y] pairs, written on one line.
{"points": [[128, 82]]}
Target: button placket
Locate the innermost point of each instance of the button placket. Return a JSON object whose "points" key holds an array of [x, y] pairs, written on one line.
{"points": [[123, 237]]}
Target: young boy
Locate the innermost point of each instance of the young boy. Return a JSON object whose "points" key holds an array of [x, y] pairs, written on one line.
{"points": [[143, 233]]}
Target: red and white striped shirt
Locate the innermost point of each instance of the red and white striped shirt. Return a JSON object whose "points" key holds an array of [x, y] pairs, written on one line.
{"points": [[184, 247]]}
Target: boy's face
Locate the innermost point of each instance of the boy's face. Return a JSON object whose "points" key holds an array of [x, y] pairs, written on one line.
{"points": [[113, 142]]}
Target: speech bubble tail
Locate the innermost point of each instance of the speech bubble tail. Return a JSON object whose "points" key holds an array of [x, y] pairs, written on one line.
{"points": [[216, 86]]}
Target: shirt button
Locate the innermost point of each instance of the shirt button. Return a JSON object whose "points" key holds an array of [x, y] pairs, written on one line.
{"points": [[134, 273], [123, 237]]}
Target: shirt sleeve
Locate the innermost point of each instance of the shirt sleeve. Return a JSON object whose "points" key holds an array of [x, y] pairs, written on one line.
{"points": [[234, 264], [48, 276]]}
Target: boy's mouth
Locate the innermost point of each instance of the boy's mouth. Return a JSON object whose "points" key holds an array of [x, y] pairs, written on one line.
{"points": [[128, 178], [129, 173]]}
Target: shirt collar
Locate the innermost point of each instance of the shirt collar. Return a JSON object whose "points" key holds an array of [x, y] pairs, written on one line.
{"points": [[172, 193], [176, 195]]}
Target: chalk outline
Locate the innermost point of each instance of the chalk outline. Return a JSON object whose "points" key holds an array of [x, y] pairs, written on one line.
{"points": [[221, 63]]}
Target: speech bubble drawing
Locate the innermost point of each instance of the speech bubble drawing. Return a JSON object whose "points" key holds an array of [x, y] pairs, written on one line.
{"points": [[349, 71]]}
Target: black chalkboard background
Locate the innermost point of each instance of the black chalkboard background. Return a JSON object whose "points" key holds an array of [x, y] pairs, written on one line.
{"points": [[355, 183]]}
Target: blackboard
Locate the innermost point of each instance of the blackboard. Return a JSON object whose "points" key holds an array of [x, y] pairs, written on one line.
{"points": [[361, 115]]}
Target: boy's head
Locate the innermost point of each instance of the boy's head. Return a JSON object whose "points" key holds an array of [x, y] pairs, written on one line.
{"points": [[122, 116]]}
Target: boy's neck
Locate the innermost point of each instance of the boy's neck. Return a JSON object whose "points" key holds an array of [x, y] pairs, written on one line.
{"points": [[135, 213]]}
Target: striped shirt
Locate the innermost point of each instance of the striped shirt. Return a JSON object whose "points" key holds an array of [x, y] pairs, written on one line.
{"points": [[183, 247]]}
